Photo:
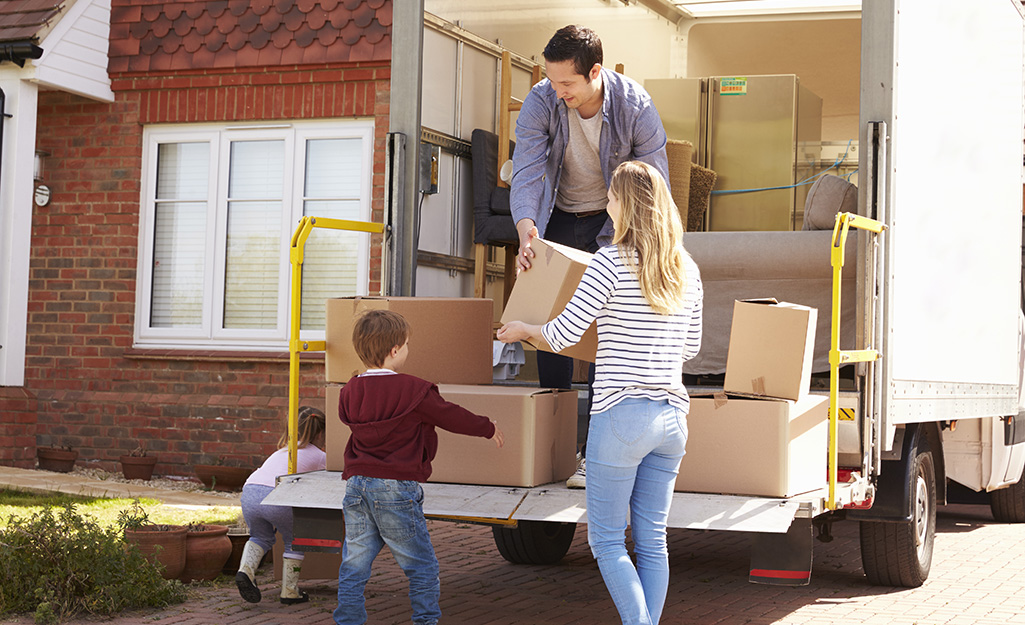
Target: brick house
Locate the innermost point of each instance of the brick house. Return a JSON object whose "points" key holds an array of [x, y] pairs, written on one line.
{"points": [[154, 306]]}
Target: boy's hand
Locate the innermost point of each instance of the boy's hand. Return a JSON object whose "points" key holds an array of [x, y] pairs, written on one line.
{"points": [[498, 437]]}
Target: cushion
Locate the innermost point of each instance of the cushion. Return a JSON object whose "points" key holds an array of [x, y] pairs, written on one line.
{"points": [[492, 222], [828, 196]]}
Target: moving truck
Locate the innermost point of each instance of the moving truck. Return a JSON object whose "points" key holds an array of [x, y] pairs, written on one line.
{"points": [[938, 297]]}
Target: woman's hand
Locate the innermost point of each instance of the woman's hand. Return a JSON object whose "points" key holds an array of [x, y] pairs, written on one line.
{"points": [[518, 331]]}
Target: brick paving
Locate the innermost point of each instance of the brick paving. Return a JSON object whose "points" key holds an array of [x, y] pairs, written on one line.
{"points": [[976, 580]]}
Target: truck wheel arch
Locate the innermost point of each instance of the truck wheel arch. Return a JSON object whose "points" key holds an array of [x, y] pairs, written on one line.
{"points": [[893, 498]]}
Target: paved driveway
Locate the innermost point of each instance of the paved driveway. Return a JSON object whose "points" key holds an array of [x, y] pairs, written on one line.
{"points": [[977, 579]]}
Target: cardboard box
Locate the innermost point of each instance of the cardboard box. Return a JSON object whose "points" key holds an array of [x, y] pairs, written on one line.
{"points": [[760, 447], [771, 349], [316, 565], [542, 292], [540, 428], [450, 340]]}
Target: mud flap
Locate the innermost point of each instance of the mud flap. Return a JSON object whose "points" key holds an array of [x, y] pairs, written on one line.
{"points": [[317, 529], [783, 559]]}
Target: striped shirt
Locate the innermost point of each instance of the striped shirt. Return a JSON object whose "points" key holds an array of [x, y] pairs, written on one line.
{"points": [[640, 352]]}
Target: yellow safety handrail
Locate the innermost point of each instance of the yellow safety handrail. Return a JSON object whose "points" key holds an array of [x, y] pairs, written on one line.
{"points": [[837, 357], [295, 346]]}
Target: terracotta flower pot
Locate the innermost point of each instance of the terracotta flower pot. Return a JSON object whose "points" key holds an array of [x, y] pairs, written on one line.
{"points": [[164, 544], [220, 477], [138, 467], [207, 548], [238, 545], [59, 460]]}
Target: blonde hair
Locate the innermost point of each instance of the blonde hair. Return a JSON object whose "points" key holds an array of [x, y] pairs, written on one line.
{"points": [[312, 423], [649, 234]]}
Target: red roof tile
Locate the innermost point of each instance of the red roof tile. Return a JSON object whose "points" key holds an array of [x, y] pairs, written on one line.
{"points": [[193, 34], [22, 20]]}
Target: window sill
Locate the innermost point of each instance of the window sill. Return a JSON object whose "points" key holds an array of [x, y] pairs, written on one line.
{"points": [[214, 355]]}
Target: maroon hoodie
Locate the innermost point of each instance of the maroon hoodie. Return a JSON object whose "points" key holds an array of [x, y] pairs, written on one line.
{"points": [[392, 417]]}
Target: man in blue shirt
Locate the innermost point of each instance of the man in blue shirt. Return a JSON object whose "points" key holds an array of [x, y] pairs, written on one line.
{"points": [[574, 128]]}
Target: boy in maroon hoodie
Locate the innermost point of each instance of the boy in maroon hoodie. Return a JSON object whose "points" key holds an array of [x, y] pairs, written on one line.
{"points": [[392, 417]]}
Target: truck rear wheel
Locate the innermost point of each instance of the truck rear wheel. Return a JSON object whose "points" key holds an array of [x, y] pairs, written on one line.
{"points": [[1008, 504], [534, 542], [900, 554]]}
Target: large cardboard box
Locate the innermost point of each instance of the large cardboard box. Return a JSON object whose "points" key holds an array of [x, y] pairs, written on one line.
{"points": [[450, 340], [316, 565], [771, 349], [540, 428], [761, 447], [543, 291]]}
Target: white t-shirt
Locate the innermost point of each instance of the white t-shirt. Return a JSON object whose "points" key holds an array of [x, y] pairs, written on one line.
{"points": [[308, 458], [582, 186]]}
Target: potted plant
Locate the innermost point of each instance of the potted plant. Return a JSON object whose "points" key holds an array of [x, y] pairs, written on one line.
{"points": [[207, 548], [222, 475], [162, 544], [58, 459], [238, 534], [137, 465]]}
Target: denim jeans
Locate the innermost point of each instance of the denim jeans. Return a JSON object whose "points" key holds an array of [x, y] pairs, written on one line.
{"points": [[381, 512], [635, 452]]}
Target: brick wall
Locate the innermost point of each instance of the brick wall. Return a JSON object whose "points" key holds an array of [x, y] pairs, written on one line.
{"points": [[18, 414], [95, 392]]}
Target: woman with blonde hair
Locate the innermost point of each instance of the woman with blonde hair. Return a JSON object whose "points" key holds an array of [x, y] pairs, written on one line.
{"points": [[645, 293]]}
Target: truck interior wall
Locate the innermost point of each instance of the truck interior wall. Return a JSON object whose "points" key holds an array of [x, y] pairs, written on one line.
{"points": [[647, 45], [826, 59]]}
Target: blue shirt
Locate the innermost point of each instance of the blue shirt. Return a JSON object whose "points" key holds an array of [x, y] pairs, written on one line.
{"points": [[631, 130]]}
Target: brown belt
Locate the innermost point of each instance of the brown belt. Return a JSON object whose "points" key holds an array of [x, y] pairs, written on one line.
{"points": [[587, 214]]}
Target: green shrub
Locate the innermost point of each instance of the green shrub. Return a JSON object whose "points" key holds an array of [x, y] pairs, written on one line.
{"points": [[58, 563]]}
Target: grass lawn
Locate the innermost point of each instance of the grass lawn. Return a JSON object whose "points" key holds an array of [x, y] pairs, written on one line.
{"points": [[24, 504]]}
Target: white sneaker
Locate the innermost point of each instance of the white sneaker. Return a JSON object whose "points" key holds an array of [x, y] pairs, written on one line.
{"points": [[578, 479]]}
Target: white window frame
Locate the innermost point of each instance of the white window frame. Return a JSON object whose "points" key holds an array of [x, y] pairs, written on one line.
{"points": [[295, 134]]}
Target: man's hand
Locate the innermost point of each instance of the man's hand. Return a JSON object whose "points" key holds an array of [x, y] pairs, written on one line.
{"points": [[527, 231]]}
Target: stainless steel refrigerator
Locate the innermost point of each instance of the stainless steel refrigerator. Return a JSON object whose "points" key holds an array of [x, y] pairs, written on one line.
{"points": [[760, 134]]}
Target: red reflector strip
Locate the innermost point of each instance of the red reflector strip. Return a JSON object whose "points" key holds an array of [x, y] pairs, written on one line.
{"points": [[316, 542], [772, 574]]}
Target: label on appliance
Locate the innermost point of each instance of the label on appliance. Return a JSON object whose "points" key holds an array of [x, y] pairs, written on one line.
{"points": [[733, 86]]}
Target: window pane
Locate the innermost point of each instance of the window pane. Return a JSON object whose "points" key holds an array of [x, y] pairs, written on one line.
{"points": [[182, 171], [329, 270], [333, 168], [178, 265], [257, 169], [252, 265]]}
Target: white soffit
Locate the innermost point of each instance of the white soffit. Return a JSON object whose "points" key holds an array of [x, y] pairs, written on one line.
{"points": [[75, 52]]}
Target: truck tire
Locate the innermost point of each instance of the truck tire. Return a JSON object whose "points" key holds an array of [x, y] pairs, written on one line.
{"points": [[534, 542], [900, 554], [1008, 504]]}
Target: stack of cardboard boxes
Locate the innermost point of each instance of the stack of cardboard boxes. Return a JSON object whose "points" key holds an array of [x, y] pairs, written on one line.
{"points": [[451, 345], [765, 435]]}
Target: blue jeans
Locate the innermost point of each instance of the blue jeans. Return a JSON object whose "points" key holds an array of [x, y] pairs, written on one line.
{"points": [[635, 449], [381, 512]]}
